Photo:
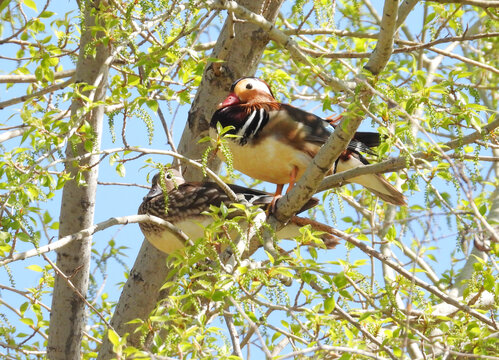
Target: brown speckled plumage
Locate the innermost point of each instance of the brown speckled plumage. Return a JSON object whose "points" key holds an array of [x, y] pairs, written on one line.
{"points": [[187, 202], [276, 142]]}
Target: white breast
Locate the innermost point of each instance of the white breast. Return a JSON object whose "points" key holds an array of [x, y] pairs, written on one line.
{"points": [[167, 242]]}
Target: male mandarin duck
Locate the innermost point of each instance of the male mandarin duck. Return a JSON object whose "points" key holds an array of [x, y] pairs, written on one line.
{"points": [[187, 202], [276, 142]]}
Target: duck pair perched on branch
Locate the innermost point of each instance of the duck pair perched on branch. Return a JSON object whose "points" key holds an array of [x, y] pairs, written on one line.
{"points": [[274, 142]]}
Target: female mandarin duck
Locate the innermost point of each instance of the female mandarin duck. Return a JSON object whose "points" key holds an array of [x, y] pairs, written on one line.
{"points": [[276, 142], [188, 202]]}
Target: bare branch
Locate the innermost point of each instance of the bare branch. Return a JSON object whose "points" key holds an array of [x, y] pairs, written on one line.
{"points": [[252, 326], [333, 350], [13, 133], [68, 281], [233, 334], [465, 60], [408, 275], [41, 92], [14, 79]]}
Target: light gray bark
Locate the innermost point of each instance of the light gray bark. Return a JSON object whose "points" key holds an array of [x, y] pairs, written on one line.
{"points": [[240, 45], [241, 55], [309, 183], [384, 46], [67, 319]]}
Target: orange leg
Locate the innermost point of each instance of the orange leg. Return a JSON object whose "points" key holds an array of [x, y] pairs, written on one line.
{"points": [[292, 178], [277, 196], [333, 119], [278, 191]]}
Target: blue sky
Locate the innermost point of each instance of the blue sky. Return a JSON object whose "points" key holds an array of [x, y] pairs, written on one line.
{"points": [[113, 201]]}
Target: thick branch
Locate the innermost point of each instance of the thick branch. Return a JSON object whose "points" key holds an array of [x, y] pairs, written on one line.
{"points": [[322, 162], [241, 55], [13, 133], [384, 47], [400, 163], [68, 316], [404, 10]]}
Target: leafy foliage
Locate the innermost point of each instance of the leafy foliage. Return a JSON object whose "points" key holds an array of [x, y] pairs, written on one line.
{"points": [[437, 90]]}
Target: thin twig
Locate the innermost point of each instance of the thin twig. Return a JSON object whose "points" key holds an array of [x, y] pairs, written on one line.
{"points": [[76, 291], [252, 325]]}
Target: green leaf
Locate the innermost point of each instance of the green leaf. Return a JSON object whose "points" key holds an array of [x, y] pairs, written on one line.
{"points": [[27, 321], [47, 14], [489, 282], [24, 237], [120, 169], [275, 336], [313, 252], [4, 236], [224, 210], [340, 280], [113, 337], [30, 3], [430, 17], [329, 305], [282, 271], [23, 307], [3, 5], [153, 105], [35, 267], [133, 80], [391, 233], [218, 296], [46, 217], [365, 316]]}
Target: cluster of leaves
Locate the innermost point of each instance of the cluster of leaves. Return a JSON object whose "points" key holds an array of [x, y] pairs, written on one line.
{"points": [[339, 303], [44, 46]]}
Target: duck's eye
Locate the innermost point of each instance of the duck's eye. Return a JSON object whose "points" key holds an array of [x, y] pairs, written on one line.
{"points": [[249, 86]]}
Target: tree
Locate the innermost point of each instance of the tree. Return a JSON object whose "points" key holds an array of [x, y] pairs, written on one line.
{"points": [[423, 74]]}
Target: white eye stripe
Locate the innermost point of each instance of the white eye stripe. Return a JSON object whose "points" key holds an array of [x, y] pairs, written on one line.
{"points": [[255, 84], [258, 85]]}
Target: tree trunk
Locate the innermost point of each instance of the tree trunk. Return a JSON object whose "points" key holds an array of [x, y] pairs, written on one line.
{"points": [[241, 55], [241, 50], [67, 319]]}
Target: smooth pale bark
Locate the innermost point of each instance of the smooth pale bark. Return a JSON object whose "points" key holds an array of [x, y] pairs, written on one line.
{"points": [[384, 47], [241, 55], [338, 141], [67, 319], [240, 46]]}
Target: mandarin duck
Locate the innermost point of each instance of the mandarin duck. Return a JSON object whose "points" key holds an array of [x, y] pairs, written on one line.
{"points": [[276, 142], [188, 202]]}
